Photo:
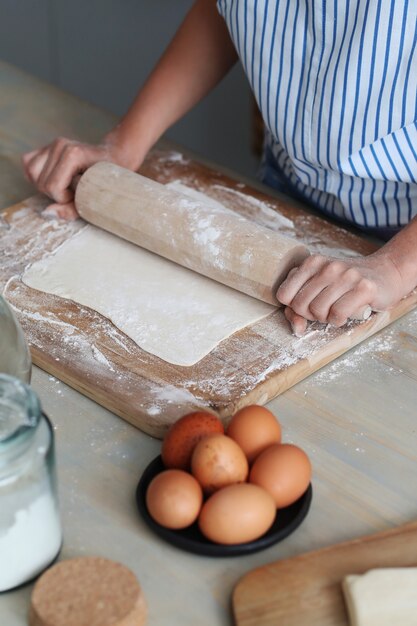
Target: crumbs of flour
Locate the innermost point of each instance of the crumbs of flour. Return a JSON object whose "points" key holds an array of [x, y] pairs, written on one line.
{"points": [[270, 217], [251, 208], [64, 334], [292, 351], [261, 213], [381, 343], [174, 156], [23, 234], [99, 356]]}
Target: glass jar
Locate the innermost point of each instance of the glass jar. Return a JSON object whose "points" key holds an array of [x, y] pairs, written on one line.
{"points": [[14, 353], [30, 530]]}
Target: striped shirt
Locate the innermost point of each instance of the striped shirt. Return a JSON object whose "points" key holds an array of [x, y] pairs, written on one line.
{"points": [[336, 83]]}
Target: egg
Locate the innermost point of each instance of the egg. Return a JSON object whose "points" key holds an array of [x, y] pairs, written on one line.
{"points": [[184, 434], [218, 461], [174, 499], [284, 470], [254, 428], [237, 514]]}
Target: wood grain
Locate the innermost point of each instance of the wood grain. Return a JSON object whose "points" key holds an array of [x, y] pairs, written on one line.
{"points": [[83, 349], [306, 590]]}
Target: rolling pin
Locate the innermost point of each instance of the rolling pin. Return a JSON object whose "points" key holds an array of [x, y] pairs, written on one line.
{"points": [[212, 241]]}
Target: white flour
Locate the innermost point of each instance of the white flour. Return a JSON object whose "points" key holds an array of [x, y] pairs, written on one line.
{"points": [[80, 335], [261, 212], [250, 207], [30, 543]]}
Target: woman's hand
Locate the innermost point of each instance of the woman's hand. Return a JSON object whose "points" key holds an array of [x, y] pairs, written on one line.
{"points": [[199, 56], [52, 168], [333, 290]]}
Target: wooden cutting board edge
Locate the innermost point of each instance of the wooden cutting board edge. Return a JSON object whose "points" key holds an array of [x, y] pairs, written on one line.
{"points": [[273, 383], [265, 391], [242, 590]]}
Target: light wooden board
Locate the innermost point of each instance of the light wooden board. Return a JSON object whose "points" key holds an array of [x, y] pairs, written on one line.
{"points": [[306, 590], [85, 350]]}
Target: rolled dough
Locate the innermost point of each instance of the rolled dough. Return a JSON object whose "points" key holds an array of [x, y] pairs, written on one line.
{"points": [[382, 597], [169, 311]]}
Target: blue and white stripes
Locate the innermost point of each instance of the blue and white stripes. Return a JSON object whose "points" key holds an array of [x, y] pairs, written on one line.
{"points": [[336, 82]]}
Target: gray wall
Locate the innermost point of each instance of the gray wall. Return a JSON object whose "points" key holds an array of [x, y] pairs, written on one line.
{"points": [[102, 51]]}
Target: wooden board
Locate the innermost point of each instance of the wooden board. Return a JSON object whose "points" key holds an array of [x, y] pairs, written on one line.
{"points": [[85, 350], [306, 590]]}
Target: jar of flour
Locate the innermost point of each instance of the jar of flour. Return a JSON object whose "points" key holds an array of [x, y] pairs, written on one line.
{"points": [[30, 530]]}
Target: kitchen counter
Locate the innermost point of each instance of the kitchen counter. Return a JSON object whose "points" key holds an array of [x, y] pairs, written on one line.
{"points": [[356, 418]]}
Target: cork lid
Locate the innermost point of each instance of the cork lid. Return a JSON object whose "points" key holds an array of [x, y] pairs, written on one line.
{"points": [[87, 591]]}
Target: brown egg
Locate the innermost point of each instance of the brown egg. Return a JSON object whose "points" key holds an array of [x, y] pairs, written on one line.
{"points": [[183, 436], [217, 461], [174, 499], [284, 470], [254, 428], [237, 514]]}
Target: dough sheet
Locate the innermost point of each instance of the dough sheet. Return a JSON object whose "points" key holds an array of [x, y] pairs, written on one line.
{"points": [[169, 311]]}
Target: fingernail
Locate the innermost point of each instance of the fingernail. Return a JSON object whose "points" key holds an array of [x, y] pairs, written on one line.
{"points": [[296, 330]]}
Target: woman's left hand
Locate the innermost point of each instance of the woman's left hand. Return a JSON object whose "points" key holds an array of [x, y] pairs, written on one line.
{"points": [[333, 290]]}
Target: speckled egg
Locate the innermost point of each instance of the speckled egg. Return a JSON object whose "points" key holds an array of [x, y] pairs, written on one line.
{"points": [[183, 436], [218, 461]]}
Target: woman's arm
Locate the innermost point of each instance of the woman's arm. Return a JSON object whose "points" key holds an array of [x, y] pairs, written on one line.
{"points": [[198, 57], [331, 290]]}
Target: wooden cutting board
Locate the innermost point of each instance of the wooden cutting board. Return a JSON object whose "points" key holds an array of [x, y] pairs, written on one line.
{"points": [[85, 350], [306, 590]]}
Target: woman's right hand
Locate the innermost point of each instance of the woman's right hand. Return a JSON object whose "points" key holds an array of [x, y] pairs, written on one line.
{"points": [[52, 168]]}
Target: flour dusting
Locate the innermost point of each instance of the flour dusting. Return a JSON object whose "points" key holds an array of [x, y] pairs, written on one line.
{"points": [[167, 310], [31, 237], [352, 361], [106, 357], [261, 210]]}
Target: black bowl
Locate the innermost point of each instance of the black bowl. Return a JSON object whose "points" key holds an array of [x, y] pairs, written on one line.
{"points": [[192, 540]]}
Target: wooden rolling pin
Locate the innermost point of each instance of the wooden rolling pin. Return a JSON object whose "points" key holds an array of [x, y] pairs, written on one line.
{"points": [[215, 242], [212, 241]]}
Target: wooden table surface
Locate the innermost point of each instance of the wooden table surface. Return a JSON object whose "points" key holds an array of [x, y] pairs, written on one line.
{"points": [[356, 418]]}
